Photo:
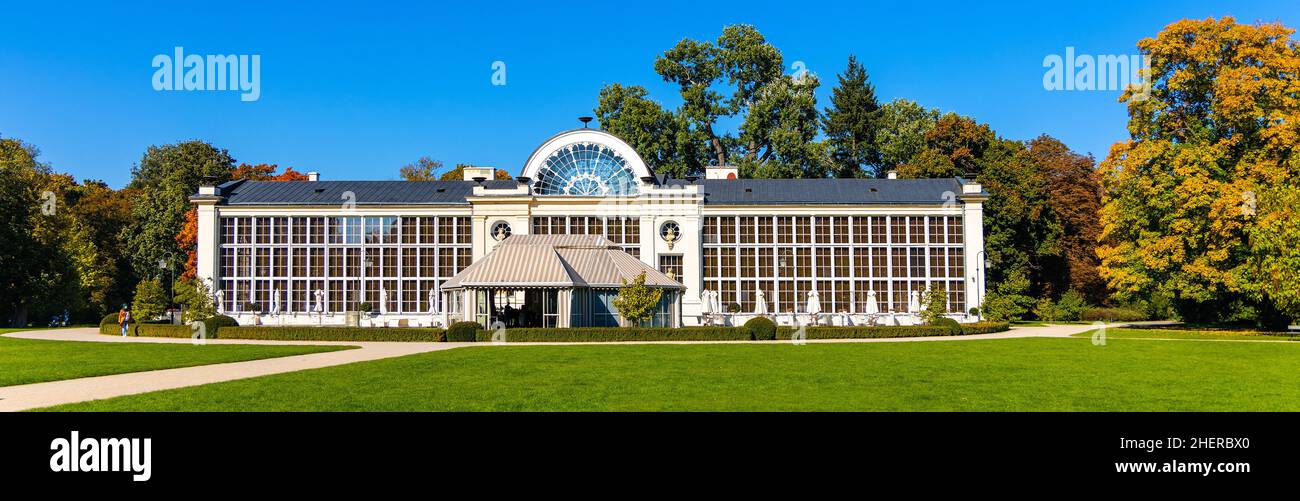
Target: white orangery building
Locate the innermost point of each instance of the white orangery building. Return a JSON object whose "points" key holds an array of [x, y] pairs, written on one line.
{"points": [[552, 246]]}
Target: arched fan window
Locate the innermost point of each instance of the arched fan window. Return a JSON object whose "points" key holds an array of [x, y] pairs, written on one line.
{"points": [[586, 169]]}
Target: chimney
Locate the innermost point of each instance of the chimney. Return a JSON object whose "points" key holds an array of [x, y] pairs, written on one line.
{"points": [[313, 176], [892, 174], [721, 172], [483, 172]]}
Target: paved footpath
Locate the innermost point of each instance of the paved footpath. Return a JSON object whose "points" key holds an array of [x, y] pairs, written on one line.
{"points": [[36, 395]]}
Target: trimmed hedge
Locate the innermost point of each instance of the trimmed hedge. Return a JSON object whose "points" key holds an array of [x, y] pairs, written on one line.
{"points": [[160, 330], [986, 327], [465, 332], [426, 335], [108, 325], [866, 332], [1113, 315], [615, 334]]}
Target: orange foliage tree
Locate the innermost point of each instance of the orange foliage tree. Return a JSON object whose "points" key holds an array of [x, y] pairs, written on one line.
{"points": [[188, 237]]}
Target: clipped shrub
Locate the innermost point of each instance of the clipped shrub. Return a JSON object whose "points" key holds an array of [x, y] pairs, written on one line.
{"points": [[888, 331], [761, 329], [464, 332], [1112, 315], [986, 327], [308, 333], [954, 328], [617, 334], [213, 324]]}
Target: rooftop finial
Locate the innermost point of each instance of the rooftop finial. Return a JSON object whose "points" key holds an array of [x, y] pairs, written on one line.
{"points": [[585, 121]]}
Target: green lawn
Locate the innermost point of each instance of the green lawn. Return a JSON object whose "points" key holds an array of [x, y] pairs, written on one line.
{"points": [[1220, 335], [25, 361], [979, 375]]}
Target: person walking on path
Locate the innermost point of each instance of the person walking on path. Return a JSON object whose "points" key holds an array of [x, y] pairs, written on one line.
{"points": [[124, 318]]}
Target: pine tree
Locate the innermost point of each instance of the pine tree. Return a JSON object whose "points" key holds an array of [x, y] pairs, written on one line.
{"points": [[849, 123]]}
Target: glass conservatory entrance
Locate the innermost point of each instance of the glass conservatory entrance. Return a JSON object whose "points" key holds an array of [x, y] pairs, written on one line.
{"points": [[518, 307]]}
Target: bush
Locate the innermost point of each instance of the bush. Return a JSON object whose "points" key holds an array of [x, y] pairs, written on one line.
{"points": [[1070, 306], [1045, 310], [888, 331], [986, 327], [1113, 315], [616, 334], [463, 332], [761, 329], [426, 335], [954, 328]]}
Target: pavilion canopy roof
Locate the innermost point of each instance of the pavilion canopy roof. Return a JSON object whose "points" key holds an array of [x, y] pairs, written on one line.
{"points": [[557, 261]]}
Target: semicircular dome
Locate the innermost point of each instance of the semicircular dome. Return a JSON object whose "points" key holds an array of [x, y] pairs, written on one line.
{"points": [[586, 162]]}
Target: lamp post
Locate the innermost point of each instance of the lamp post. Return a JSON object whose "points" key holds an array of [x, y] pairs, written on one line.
{"points": [[981, 266], [164, 263]]}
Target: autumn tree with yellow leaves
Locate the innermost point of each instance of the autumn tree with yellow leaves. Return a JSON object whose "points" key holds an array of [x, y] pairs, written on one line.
{"points": [[1200, 201]]}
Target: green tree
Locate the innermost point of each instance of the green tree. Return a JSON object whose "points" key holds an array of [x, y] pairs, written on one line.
{"points": [[696, 67], [161, 186], [150, 300], [197, 298], [850, 123], [21, 254], [1010, 300], [899, 136], [637, 302], [782, 123], [628, 112], [934, 304]]}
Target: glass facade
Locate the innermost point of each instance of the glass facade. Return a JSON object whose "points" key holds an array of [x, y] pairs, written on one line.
{"points": [[586, 169], [352, 259], [625, 232], [841, 257]]}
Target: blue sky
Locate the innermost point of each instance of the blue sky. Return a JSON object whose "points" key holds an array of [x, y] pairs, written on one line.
{"points": [[355, 90]]}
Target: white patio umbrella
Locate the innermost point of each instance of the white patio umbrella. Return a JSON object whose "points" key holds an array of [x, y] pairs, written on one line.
{"points": [[715, 297], [872, 307], [383, 301], [706, 302], [433, 300], [914, 302], [760, 303], [814, 305], [320, 301], [275, 301]]}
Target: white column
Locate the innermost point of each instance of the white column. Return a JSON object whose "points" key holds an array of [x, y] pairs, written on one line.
{"points": [[973, 227], [209, 236]]}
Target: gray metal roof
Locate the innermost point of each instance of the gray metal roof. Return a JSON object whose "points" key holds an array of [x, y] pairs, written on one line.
{"points": [[717, 191], [828, 191], [366, 192]]}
